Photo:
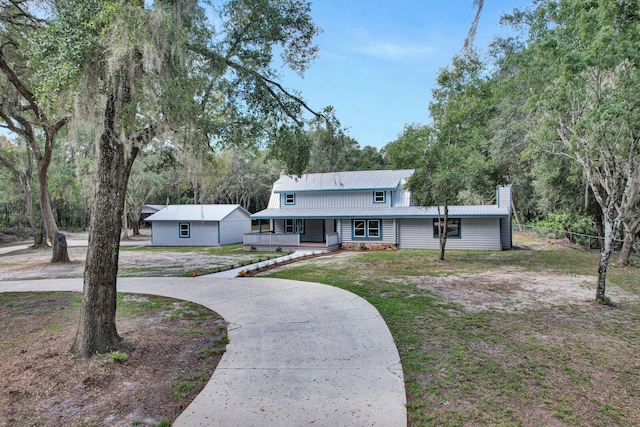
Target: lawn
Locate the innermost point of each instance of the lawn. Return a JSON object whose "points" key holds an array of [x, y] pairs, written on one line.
{"points": [[507, 338]]}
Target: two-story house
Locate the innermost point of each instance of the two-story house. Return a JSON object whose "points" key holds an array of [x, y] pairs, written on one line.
{"points": [[371, 209]]}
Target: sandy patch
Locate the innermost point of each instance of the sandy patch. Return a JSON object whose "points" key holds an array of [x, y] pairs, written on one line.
{"points": [[512, 290]]}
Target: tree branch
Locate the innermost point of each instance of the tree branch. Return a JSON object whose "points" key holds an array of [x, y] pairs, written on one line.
{"points": [[266, 82], [21, 88]]}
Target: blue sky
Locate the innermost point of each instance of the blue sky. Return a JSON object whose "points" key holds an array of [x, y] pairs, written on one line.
{"points": [[379, 59]]}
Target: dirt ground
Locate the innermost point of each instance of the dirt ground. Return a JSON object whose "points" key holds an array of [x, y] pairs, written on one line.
{"points": [[511, 290], [34, 264], [504, 289], [172, 348]]}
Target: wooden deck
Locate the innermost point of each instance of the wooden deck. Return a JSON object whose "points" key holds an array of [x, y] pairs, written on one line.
{"points": [[304, 246], [287, 242]]}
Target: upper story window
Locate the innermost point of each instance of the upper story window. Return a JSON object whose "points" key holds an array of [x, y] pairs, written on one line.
{"points": [[453, 227], [184, 230], [290, 199], [379, 197]]}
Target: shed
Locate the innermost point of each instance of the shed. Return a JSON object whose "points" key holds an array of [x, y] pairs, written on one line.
{"points": [[199, 225]]}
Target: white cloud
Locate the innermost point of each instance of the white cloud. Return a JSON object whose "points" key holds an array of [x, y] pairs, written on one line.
{"points": [[393, 51]]}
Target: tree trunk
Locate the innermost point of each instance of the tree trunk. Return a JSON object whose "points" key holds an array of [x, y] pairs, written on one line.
{"points": [[135, 222], [605, 255], [515, 215], [125, 223], [630, 235], [442, 229], [97, 327], [600, 230], [30, 211], [60, 253], [196, 193]]}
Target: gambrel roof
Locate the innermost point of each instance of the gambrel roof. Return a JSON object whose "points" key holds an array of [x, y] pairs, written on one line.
{"points": [[195, 213], [381, 180]]}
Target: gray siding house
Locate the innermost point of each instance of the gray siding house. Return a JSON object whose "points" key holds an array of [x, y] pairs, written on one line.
{"points": [[199, 225], [372, 209]]}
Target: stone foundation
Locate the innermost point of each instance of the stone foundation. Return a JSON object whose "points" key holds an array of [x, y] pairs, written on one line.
{"points": [[368, 246]]}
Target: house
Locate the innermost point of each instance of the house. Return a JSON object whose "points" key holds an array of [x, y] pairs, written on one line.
{"points": [[372, 209], [199, 225]]}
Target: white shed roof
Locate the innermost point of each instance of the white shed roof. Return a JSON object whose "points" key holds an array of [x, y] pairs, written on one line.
{"points": [[195, 213], [343, 181]]}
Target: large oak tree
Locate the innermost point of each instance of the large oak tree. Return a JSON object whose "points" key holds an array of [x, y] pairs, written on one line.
{"points": [[144, 71], [23, 113]]}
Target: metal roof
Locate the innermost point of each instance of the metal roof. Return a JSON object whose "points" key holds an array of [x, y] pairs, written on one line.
{"points": [[151, 208], [343, 181], [476, 211], [194, 213]]}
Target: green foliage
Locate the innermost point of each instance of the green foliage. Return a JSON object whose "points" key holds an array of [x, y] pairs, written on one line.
{"points": [[444, 172], [461, 106], [406, 151], [568, 221], [117, 356], [292, 147]]}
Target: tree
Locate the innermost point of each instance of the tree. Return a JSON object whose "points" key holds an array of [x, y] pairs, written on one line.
{"points": [[632, 224], [22, 112], [582, 60], [247, 179], [438, 181], [406, 151], [19, 163], [143, 184], [133, 62]]}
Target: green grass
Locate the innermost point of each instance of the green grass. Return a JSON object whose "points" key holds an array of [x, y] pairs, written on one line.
{"points": [[217, 347], [218, 250], [185, 383], [572, 364], [117, 356], [138, 305]]}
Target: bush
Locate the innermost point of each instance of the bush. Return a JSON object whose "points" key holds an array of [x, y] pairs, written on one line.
{"points": [[570, 222]]}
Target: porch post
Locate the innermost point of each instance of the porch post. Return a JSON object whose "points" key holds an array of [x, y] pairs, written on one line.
{"points": [[260, 226]]}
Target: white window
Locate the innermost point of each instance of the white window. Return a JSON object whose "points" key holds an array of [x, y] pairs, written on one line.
{"points": [[184, 230], [364, 229], [290, 199], [374, 228], [378, 197]]}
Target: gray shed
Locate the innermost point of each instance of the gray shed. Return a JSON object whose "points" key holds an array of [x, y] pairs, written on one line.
{"points": [[199, 225]]}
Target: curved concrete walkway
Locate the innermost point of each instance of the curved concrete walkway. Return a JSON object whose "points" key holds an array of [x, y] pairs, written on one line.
{"points": [[299, 353]]}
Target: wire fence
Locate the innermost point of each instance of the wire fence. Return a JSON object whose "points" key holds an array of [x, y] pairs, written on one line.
{"points": [[585, 241]]}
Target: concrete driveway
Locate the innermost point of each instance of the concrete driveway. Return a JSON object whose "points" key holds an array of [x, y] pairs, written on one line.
{"points": [[299, 353]]}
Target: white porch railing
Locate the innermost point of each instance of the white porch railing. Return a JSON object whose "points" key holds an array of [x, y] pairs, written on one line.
{"points": [[271, 239], [333, 239]]}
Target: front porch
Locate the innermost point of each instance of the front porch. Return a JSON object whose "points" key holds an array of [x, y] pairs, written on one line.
{"points": [[287, 242]]}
